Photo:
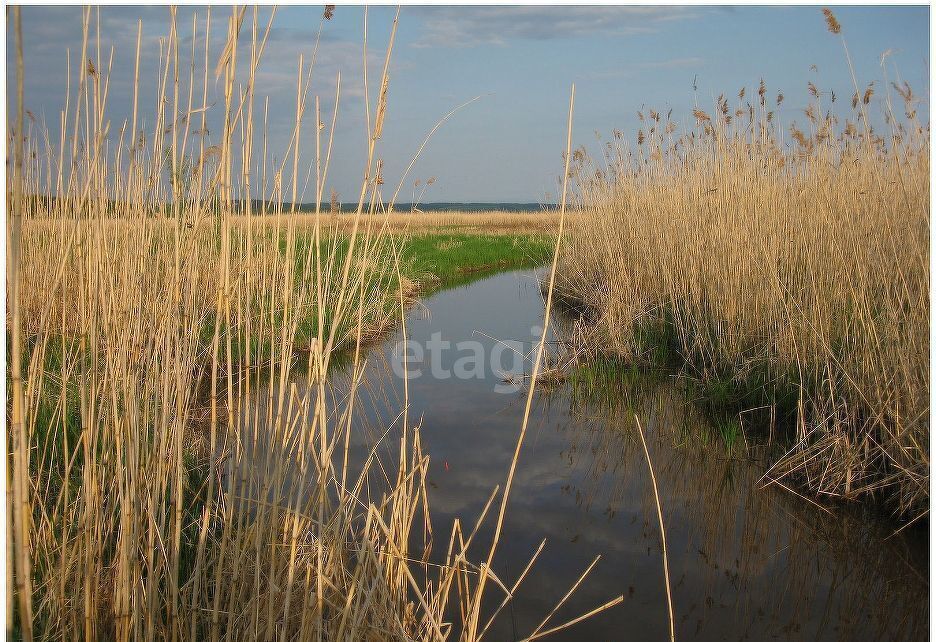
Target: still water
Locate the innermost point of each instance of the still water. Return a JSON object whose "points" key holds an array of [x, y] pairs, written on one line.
{"points": [[746, 562]]}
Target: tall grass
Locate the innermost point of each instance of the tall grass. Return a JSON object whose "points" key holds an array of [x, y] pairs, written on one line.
{"points": [[492, 222], [151, 499], [793, 259]]}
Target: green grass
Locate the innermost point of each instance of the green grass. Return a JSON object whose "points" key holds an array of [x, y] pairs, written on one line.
{"points": [[446, 258], [450, 259], [443, 259]]}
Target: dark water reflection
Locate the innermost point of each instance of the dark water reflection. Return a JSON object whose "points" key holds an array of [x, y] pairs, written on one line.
{"points": [[746, 563]]}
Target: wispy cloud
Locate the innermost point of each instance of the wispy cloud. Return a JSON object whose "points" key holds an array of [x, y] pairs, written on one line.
{"points": [[488, 25]]}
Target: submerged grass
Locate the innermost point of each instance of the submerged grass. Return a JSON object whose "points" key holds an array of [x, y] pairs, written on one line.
{"points": [[786, 271]]}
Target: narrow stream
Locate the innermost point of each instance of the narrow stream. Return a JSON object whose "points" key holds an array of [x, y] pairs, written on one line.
{"points": [[746, 563]]}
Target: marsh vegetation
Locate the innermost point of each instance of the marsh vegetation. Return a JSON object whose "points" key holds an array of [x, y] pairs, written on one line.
{"points": [[196, 446], [786, 264]]}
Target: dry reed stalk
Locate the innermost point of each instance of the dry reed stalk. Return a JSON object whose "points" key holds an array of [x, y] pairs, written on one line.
{"points": [[20, 515], [659, 507]]}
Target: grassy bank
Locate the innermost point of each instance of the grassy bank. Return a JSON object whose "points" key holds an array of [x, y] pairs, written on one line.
{"points": [[786, 266], [429, 260], [443, 258]]}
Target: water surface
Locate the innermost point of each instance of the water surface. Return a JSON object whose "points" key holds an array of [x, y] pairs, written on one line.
{"points": [[746, 563]]}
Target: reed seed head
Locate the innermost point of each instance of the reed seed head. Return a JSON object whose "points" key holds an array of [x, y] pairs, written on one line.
{"points": [[832, 24]]}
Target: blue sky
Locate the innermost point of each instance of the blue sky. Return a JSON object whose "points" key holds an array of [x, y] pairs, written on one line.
{"points": [[506, 146]]}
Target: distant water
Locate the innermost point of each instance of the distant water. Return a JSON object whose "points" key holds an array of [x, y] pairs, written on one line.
{"points": [[448, 207], [477, 207]]}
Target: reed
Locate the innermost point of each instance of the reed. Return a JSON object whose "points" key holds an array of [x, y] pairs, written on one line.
{"points": [[153, 496], [488, 222], [790, 259]]}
